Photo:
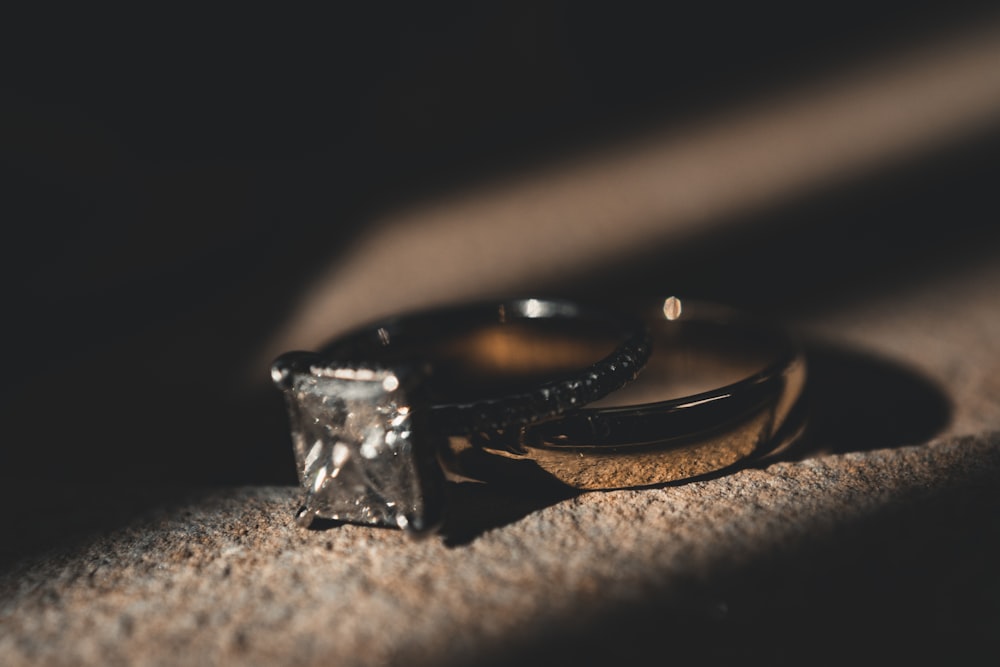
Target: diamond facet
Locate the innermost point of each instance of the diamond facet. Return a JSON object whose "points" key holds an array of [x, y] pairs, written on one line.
{"points": [[352, 432]]}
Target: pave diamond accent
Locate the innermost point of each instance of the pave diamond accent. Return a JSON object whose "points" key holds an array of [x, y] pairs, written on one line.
{"points": [[352, 432]]}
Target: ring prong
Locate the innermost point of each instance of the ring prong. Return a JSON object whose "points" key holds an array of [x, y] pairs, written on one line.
{"points": [[290, 363], [415, 527], [305, 516]]}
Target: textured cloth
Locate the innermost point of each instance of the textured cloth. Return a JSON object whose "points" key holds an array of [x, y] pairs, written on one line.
{"points": [[878, 535]]}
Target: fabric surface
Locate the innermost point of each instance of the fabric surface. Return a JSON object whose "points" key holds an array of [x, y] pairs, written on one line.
{"points": [[860, 213]]}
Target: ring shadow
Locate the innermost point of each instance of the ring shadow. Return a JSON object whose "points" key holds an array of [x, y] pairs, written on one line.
{"points": [[857, 401], [914, 579], [853, 401]]}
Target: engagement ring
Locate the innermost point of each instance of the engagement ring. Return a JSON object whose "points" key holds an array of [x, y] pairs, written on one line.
{"points": [[371, 413]]}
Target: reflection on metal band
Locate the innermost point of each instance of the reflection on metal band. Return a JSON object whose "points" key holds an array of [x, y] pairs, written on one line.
{"points": [[647, 434], [644, 465]]}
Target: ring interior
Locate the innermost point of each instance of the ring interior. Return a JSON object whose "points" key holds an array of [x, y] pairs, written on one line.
{"points": [[463, 362], [692, 358], [517, 356], [703, 376], [714, 392]]}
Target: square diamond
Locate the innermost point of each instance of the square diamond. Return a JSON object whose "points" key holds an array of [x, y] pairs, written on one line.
{"points": [[352, 432]]}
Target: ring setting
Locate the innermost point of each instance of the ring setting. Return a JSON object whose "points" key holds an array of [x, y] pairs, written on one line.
{"points": [[353, 438]]}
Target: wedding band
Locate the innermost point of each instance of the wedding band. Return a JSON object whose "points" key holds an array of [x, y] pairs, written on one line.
{"points": [[371, 411], [720, 388]]}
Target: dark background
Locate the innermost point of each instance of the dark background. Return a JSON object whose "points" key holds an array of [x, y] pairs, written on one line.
{"points": [[171, 180]]}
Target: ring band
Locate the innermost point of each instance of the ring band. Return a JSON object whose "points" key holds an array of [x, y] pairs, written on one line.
{"points": [[647, 434], [464, 352], [372, 410]]}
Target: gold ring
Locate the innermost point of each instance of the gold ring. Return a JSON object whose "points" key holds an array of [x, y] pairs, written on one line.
{"points": [[720, 388]]}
